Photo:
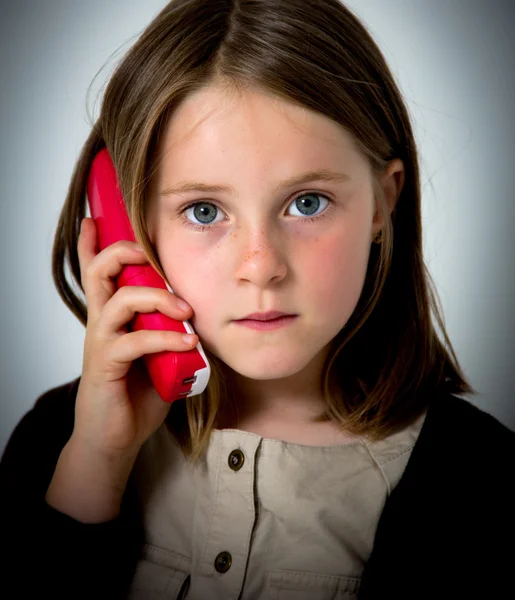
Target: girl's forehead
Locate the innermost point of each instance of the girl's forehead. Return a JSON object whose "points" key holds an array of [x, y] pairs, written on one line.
{"points": [[213, 130], [214, 114]]}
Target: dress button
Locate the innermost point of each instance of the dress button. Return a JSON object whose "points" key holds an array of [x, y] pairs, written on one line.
{"points": [[223, 562], [236, 460]]}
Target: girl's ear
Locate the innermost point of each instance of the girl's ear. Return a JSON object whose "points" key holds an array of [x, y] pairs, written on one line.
{"points": [[392, 182]]}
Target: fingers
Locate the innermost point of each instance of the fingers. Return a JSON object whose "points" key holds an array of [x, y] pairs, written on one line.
{"points": [[133, 345], [112, 309], [98, 269], [122, 307]]}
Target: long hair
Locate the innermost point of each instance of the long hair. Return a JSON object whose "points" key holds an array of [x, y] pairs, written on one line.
{"points": [[388, 361]]}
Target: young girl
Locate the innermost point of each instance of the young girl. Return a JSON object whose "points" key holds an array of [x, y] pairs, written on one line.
{"points": [[268, 165]]}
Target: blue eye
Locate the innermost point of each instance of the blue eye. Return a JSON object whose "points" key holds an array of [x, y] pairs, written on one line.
{"points": [[203, 211], [307, 204]]}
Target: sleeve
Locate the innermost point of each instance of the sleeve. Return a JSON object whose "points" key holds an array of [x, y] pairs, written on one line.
{"points": [[46, 551]]}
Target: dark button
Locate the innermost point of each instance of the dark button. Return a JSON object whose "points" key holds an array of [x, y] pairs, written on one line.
{"points": [[236, 460], [223, 562]]}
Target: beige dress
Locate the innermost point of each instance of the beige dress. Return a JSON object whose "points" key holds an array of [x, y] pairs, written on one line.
{"points": [[262, 519]]}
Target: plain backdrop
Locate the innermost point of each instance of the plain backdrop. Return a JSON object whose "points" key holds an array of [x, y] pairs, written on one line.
{"points": [[453, 60]]}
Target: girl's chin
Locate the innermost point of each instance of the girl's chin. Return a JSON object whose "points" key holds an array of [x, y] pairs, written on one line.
{"points": [[270, 367]]}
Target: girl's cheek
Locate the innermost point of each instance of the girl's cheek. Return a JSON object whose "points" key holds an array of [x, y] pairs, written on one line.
{"points": [[191, 271], [337, 267]]}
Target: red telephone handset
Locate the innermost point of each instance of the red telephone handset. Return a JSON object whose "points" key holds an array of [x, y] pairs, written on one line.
{"points": [[175, 375]]}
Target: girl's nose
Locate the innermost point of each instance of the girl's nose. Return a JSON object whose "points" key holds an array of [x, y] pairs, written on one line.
{"points": [[260, 256]]}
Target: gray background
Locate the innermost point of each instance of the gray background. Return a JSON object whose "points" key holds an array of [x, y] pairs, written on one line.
{"points": [[454, 63]]}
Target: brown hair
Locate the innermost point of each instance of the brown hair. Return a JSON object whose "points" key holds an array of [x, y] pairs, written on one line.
{"points": [[387, 363]]}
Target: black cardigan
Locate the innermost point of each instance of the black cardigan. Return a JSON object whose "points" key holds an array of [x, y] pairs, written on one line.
{"points": [[446, 531]]}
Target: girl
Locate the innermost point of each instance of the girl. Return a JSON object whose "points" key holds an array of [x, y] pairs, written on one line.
{"points": [[267, 163]]}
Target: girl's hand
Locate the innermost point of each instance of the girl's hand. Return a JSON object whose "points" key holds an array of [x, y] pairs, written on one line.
{"points": [[117, 407]]}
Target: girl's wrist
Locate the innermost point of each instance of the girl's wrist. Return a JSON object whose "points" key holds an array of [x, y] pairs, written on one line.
{"points": [[89, 485]]}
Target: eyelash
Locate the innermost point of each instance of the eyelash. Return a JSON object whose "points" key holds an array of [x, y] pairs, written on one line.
{"points": [[197, 227]]}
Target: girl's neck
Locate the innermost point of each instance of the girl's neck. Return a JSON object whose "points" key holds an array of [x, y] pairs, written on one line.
{"points": [[300, 427], [295, 431]]}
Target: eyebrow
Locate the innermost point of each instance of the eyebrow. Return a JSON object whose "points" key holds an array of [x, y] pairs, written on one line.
{"points": [[196, 186]]}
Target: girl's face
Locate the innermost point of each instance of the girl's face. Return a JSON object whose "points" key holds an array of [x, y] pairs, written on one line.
{"points": [[300, 248]]}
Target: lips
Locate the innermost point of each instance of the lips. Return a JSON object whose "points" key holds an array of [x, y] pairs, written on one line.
{"points": [[267, 325], [267, 316]]}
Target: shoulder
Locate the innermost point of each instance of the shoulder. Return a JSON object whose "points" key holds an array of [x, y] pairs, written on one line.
{"points": [[463, 457], [457, 429], [451, 512], [46, 427], [58, 398], [55, 408], [457, 409]]}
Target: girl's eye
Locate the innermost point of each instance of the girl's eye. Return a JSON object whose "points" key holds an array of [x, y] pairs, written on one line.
{"points": [[307, 205]]}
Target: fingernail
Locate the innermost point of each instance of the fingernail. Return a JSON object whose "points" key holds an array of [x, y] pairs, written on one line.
{"points": [[182, 305], [188, 338]]}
